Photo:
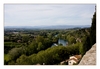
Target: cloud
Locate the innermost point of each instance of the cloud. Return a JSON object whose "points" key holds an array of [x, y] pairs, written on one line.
{"points": [[47, 14]]}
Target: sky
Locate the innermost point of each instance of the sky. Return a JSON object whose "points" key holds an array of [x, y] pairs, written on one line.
{"points": [[48, 14]]}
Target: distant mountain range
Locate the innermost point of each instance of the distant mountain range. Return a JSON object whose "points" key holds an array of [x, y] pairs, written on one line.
{"points": [[50, 27]]}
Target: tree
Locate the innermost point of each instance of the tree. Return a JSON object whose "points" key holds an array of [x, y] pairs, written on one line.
{"points": [[23, 60], [12, 62], [89, 40], [7, 58], [40, 46], [47, 43], [93, 30], [25, 39], [39, 39], [32, 48], [86, 45], [72, 40], [15, 53]]}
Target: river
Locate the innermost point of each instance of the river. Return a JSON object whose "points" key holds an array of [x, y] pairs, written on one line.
{"points": [[60, 41], [63, 42]]}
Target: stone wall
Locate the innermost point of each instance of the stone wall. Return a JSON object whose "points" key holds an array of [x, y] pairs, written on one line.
{"points": [[90, 57]]}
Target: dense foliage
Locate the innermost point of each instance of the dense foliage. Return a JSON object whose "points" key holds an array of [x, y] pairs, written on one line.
{"points": [[24, 48], [93, 30]]}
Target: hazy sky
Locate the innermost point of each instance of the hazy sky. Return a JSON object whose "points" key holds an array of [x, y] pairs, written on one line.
{"points": [[48, 14]]}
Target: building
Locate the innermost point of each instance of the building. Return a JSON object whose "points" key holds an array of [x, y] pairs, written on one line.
{"points": [[74, 59]]}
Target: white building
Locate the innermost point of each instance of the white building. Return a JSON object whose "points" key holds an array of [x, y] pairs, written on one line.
{"points": [[74, 59]]}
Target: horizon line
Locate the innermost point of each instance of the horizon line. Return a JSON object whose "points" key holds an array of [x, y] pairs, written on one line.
{"points": [[53, 25]]}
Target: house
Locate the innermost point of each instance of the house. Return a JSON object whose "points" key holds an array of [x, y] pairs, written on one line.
{"points": [[38, 64], [64, 62], [61, 63], [74, 59], [18, 41], [78, 40], [55, 44]]}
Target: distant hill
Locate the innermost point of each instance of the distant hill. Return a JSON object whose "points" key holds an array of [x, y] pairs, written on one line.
{"points": [[50, 27]]}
